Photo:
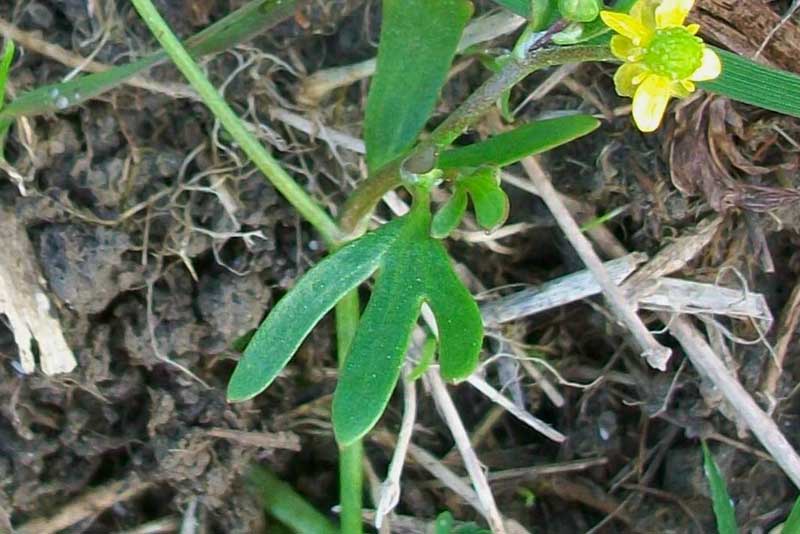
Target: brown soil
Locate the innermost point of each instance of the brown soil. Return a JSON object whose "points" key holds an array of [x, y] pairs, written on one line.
{"points": [[161, 248]]}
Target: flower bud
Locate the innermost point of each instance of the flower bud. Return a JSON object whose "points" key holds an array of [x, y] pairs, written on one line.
{"points": [[580, 10]]}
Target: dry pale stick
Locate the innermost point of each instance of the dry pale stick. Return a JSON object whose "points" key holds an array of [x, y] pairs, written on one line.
{"points": [[448, 411], [708, 364], [656, 354], [24, 301]]}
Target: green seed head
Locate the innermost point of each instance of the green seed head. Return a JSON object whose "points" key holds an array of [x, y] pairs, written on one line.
{"points": [[674, 53]]}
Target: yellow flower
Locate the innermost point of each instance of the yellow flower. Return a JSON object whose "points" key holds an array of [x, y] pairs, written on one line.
{"points": [[662, 56]]}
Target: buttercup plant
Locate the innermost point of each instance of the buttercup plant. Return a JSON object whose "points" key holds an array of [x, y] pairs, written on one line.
{"points": [[661, 58]]}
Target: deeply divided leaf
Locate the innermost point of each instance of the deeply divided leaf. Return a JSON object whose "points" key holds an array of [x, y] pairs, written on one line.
{"points": [[450, 214], [792, 524], [373, 364], [417, 44], [416, 269], [293, 317], [721, 500], [488, 199], [745, 80], [457, 316], [510, 147]]}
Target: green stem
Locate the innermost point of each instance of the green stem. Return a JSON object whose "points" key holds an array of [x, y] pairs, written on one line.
{"points": [[369, 192], [295, 194], [283, 503], [347, 311], [351, 478]]}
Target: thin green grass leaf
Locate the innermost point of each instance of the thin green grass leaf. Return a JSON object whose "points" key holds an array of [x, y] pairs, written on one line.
{"points": [[450, 214], [283, 503], [457, 316], [5, 68], [488, 199], [510, 147], [417, 45], [293, 317], [745, 80], [721, 500], [792, 524], [242, 24]]}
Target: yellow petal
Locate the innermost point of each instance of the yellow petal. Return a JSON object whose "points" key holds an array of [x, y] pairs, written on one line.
{"points": [[693, 28], [709, 69], [628, 26], [624, 49], [645, 12], [683, 88], [625, 79], [650, 101], [672, 12]]}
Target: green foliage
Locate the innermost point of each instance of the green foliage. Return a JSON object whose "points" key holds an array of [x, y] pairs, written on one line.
{"points": [[445, 524], [282, 502], [450, 214], [488, 199], [580, 10], [5, 68], [792, 524], [417, 44], [417, 269], [745, 80], [721, 500], [427, 355], [254, 17], [510, 147], [293, 317], [412, 268], [520, 7], [595, 30]]}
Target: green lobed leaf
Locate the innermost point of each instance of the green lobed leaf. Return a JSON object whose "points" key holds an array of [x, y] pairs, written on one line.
{"points": [[372, 367], [416, 269], [293, 317], [745, 80], [450, 214], [417, 45], [792, 524], [721, 500], [457, 316], [445, 524], [488, 199], [509, 147]]}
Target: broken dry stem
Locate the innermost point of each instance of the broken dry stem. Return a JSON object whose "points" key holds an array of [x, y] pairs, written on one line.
{"points": [[656, 354]]}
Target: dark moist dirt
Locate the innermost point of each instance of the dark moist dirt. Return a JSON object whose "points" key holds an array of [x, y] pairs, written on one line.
{"points": [[161, 251]]}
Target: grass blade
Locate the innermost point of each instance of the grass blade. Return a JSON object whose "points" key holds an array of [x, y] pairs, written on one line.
{"points": [[792, 524], [417, 44], [721, 500], [293, 317], [752, 83], [5, 67], [242, 24]]}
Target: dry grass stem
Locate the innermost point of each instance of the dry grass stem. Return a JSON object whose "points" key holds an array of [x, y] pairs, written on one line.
{"points": [[556, 293], [88, 505], [495, 396], [449, 413], [266, 440], [656, 354], [709, 365]]}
